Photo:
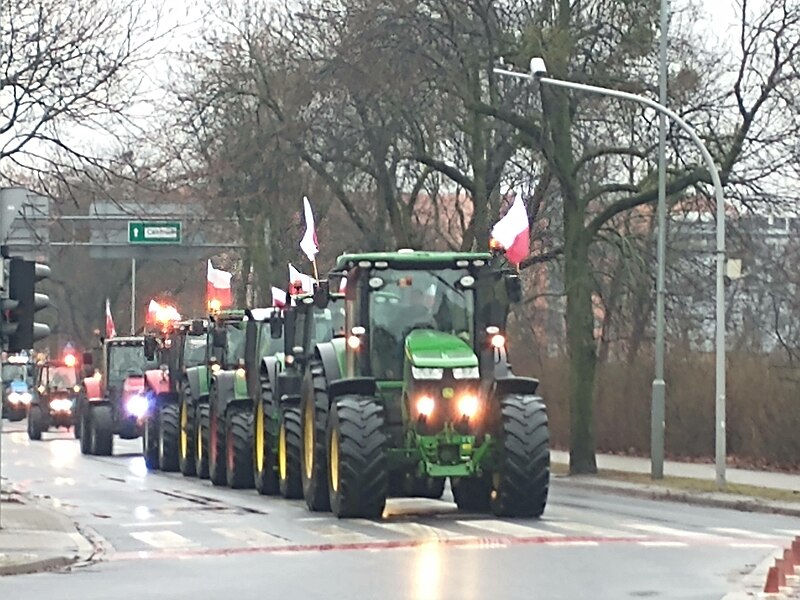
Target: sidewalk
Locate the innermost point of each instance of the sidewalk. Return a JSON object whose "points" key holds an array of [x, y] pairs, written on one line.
{"points": [[787, 485], [34, 538]]}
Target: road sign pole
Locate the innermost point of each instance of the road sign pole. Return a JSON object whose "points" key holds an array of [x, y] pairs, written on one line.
{"points": [[133, 296]]}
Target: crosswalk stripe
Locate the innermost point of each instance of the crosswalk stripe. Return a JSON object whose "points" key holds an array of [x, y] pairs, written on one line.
{"points": [[511, 529], [753, 545], [663, 544], [162, 539], [792, 532], [338, 533], [742, 532], [248, 535], [417, 530], [584, 529], [151, 524], [662, 530], [572, 543]]}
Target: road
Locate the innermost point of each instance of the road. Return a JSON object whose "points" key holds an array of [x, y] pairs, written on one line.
{"points": [[170, 537]]}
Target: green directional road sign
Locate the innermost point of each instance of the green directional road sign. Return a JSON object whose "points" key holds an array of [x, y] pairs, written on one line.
{"points": [[154, 232]]}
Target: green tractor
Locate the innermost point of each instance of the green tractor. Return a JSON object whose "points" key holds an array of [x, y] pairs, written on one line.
{"points": [[277, 435], [420, 389]]}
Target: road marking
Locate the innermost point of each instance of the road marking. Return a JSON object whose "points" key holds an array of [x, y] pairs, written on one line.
{"points": [[742, 532], [792, 532], [663, 544], [152, 524], [572, 543], [417, 530], [661, 530], [509, 529], [162, 539], [752, 545], [249, 535], [591, 530], [335, 532]]}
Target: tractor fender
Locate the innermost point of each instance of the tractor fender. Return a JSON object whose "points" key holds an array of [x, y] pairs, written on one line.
{"points": [[360, 386], [132, 385], [287, 387], [231, 388], [94, 389], [503, 386], [330, 361], [157, 382], [270, 367], [196, 377]]}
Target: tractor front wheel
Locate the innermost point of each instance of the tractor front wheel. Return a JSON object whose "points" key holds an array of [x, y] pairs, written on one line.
{"points": [[290, 433], [168, 433], [314, 457], [266, 479], [522, 478], [201, 441], [186, 462], [35, 422], [216, 447], [83, 429], [238, 432], [357, 465], [101, 423], [150, 442]]}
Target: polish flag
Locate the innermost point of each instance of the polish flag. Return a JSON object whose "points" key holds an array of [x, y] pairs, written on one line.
{"points": [[299, 281], [278, 297], [512, 232], [309, 243], [218, 287], [111, 331], [343, 285]]}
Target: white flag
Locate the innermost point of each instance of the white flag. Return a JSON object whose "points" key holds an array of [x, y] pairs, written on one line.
{"points": [[309, 243]]}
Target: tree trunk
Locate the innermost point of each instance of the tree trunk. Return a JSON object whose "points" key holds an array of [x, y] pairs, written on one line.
{"points": [[581, 347]]}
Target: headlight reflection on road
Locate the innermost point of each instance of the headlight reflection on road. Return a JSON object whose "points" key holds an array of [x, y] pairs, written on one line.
{"points": [[142, 513], [427, 573], [137, 466], [63, 453]]}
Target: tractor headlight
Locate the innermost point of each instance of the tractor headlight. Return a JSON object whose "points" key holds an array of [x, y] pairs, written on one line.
{"points": [[14, 397], [76, 389], [21, 398], [61, 405], [468, 405], [137, 406], [426, 373], [425, 406], [466, 373]]}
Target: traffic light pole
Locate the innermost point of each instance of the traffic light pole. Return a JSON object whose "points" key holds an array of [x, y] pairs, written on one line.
{"points": [[133, 296]]}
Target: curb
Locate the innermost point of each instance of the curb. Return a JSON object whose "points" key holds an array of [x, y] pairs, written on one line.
{"points": [[740, 503], [38, 566]]}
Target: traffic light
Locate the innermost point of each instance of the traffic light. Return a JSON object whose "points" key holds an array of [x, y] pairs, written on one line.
{"points": [[23, 303], [7, 305]]}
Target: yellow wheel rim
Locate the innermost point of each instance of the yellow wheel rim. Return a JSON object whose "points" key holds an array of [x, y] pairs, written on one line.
{"points": [[308, 440], [282, 468], [199, 444], [184, 435], [333, 460], [260, 438]]}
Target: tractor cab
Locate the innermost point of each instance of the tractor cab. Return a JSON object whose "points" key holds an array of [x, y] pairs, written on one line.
{"points": [[17, 376], [227, 332], [57, 390]]}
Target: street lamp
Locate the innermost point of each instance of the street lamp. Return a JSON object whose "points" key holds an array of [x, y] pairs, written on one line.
{"points": [[538, 73]]}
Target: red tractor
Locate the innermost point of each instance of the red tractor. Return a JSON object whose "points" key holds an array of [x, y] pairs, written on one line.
{"points": [[55, 399], [113, 400]]}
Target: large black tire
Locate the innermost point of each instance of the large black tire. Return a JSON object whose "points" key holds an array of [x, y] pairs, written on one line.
{"points": [[101, 421], [35, 422], [201, 441], [265, 463], [290, 435], [522, 477], [216, 445], [168, 437], [150, 443], [76, 427], [472, 494], [84, 432], [239, 433], [186, 462], [314, 455], [357, 474]]}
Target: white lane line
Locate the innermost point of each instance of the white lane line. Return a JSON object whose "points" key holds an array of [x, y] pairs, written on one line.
{"points": [[337, 533], [510, 529], [742, 532], [152, 524], [663, 544], [572, 543], [248, 535], [792, 532], [418, 530], [662, 530], [162, 539], [584, 529], [753, 545]]}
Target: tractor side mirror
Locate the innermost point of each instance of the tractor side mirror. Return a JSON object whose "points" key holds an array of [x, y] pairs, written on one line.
{"points": [[197, 327], [275, 325], [289, 329], [322, 294], [150, 347], [514, 288], [219, 337]]}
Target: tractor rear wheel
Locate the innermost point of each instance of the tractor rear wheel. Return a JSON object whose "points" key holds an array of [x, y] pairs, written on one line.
{"points": [[168, 433], [201, 441], [314, 457], [150, 442], [101, 430], [238, 432], [186, 462], [84, 428], [216, 446], [522, 478], [35, 422], [357, 471], [472, 494], [290, 434], [264, 460]]}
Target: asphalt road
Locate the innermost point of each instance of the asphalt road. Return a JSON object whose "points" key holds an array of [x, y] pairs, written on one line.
{"points": [[169, 537]]}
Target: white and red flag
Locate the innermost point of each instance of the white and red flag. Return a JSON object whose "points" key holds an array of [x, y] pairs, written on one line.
{"points": [[513, 233], [299, 282], [111, 331], [218, 287], [309, 244], [278, 297]]}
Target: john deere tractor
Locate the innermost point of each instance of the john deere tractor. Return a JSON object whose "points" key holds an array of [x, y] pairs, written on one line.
{"points": [[174, 347], [420, 388], [277, 431]]}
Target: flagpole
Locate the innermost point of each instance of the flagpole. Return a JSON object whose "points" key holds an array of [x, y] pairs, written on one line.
{"points": [[316, 273]]}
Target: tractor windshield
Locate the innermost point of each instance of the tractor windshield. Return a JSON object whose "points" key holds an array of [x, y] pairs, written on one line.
{"points": [[61, 377], [14, 371], [234, 348], [268, 346], [125, 360], [402, 301], [328, 322], [194, 350]]}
